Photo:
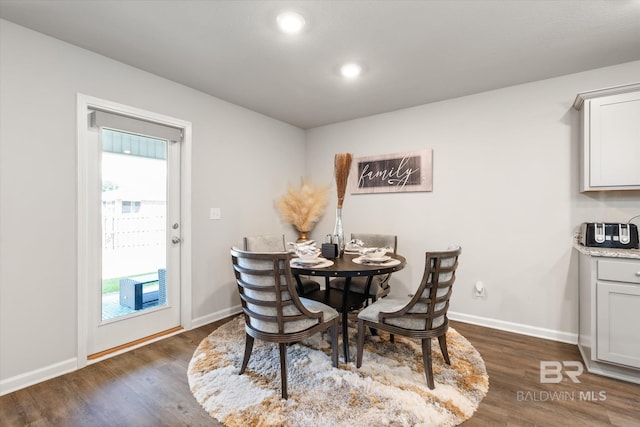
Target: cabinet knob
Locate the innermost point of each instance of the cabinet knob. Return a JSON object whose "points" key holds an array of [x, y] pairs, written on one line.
{"points": [[638, 274]]}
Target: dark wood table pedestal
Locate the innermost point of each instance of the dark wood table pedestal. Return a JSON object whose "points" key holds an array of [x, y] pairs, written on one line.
{"points": [[344, 300]]}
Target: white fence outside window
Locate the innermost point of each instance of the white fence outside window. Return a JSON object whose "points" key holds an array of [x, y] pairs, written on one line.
{"points": [[133, 231]]}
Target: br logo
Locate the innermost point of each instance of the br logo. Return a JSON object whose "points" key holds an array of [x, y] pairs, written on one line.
{"points": [[551, 371]]}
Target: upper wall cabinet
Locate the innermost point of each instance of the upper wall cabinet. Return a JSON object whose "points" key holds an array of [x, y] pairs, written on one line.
{"points": [[610, 134]]}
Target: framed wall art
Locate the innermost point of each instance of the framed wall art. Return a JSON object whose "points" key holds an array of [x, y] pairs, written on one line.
{"points": [[392, 173]]}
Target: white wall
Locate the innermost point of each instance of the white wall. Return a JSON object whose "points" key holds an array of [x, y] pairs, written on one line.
{"points": [[241, 162], [505, 187]]}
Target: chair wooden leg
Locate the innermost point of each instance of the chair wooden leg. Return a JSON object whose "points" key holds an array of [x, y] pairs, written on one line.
{"points": [[360, 343], [442, 339], [426, 359], [283, 369], [248, 347], [333, 330]]}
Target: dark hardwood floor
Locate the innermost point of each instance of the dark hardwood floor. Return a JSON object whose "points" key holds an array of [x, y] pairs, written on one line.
{"points": [[148, 387], [516, 396]]}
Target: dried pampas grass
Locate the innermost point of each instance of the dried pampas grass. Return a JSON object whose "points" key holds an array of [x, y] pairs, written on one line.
{"points": [[303, 206], [342, 167]]}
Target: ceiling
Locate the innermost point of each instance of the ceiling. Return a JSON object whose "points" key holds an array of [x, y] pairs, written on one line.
{"points": [[413, 52]]}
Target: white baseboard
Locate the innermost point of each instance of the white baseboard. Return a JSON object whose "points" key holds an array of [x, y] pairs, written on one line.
{"points": [[27, 379], [210, 318], [517, 328]]}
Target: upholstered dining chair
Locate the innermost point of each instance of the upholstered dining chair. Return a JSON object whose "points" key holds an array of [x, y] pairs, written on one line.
{"points": [[275, 243], [273, 311], [379, 286], [422, 315]]}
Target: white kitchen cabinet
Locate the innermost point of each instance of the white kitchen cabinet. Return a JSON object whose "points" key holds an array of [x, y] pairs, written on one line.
{"points": [[609, 338], [610, 138]]}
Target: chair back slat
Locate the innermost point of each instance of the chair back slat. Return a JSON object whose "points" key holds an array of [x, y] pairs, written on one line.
{"points": [[268, 294], [263, 303], [266, 318]]}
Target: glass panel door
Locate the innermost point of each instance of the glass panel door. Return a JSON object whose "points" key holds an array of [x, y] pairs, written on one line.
{"points": [[134, 223]]}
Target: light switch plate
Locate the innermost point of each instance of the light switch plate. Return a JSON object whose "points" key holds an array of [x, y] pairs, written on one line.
{"points": [[215, 213]]}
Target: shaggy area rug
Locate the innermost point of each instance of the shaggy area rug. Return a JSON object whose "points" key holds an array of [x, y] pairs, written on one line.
{"points": [[389, 389]]}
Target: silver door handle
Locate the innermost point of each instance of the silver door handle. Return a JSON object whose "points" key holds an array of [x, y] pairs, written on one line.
{"points": [[175, 239]]}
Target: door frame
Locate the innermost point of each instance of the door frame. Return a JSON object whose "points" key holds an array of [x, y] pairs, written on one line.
{"points": [[84, 103]]}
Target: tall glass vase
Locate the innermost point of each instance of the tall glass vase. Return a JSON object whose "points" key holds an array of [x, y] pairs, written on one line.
{"points": [[338, 232]]}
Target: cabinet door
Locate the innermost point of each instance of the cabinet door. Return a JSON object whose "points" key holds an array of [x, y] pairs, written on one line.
{"points": [[618, 324], [615, 141]]}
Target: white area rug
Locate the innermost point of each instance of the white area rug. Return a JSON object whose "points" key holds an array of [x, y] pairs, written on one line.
{"points": [[389, 389]]}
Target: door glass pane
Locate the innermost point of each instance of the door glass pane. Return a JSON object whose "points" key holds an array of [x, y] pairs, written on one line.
{"points": [[134, 212]]}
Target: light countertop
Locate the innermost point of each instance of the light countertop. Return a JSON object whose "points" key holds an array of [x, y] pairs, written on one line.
{"points": [[605, 252]]}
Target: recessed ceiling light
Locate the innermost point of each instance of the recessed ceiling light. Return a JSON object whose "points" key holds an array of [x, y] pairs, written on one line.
{"points": [[290, 22], [350, 70]]}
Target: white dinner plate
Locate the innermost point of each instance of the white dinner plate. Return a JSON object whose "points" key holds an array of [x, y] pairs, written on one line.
{"points": [[389, 263], [314, 263], [317, 260], [376, 259]]}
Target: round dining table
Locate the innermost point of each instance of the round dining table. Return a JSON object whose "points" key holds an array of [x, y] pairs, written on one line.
{"points": [[346, 266]]}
